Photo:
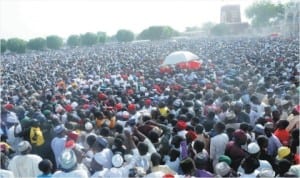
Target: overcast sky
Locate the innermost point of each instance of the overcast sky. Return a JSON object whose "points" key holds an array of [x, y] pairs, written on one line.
{"points": [[38, 18]]}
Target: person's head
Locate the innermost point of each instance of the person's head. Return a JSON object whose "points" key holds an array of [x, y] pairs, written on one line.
{"points": [[45, 166], [153, 136], [219, 127], [282, 124], [142, 148], [263, 142], [155, 159], [249, 164], [268, 131], [198, 146], [100, 144], [240, 137], [284, 166], [105, 131], [90, 140], [199, 128], [247, 108], [176, 141], [284, 152], [174, 154], [24, 147], [253, 149], [222, 169], [187, 166]]}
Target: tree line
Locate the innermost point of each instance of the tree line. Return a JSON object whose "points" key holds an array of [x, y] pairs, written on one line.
{"points": [[262, 13], [54, 42]]}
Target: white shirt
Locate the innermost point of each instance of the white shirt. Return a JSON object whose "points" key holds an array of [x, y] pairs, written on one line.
{"points": [[74, 173], [25, 165], [58, 146], [217, 146], [263, 164], [6, 174]]}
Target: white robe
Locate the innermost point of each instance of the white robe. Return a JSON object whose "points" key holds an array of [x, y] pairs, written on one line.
{"points": [[25, 165]]}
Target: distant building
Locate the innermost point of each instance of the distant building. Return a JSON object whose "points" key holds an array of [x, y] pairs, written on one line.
{"points": [[231, 17], [291, 21], [230, 14]]}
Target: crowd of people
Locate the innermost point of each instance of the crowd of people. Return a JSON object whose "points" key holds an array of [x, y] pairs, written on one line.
{"points": [[109, 111]]}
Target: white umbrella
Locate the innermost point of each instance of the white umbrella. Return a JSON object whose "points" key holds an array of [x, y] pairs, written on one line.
{"points": [[178, 57]]}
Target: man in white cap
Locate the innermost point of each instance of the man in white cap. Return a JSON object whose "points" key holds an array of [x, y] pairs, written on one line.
{"points": [[254, 151], [25, 164], [58, 142]]}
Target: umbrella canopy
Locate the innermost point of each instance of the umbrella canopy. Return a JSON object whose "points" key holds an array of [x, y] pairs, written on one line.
{"points": [[179, 57]]}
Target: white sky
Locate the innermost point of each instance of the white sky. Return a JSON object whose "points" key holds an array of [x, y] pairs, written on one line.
{"points": [[39, 18]]}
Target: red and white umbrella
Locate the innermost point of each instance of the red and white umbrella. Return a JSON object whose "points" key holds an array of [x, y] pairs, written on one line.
{"points": [[183, 59]]}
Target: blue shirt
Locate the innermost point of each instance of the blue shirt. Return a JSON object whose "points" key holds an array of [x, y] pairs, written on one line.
{"points": [[45, 176]]}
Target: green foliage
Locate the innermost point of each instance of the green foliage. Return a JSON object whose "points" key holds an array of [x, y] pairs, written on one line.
{"points": [[3, 45], [101, 37], [192, 29], [262, 13], [73, 40], [220, 29], [89, 39], [16, 45], [37, 44], [54, 42], [125, 36], [157, 33], [207, 26]]}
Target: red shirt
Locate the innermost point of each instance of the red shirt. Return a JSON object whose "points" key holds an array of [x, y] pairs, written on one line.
{"points": [[283, 135]]}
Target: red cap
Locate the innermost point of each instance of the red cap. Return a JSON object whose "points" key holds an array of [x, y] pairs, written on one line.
{"points": [[9, 106], [168, 176], [102, 96], [68, 108], [118, 106], [147, 101], [85, 106], [73, 135], [70, 144], [131, 107], [192, 135], [181, 125]]}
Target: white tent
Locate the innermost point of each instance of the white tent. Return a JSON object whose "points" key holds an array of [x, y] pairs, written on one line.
{"points": [[178, 57]]}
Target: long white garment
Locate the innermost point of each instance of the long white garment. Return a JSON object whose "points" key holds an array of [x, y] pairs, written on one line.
{"points": [[217, 146], [58, 146], [25, 165], [6, 174], [75, 173]]}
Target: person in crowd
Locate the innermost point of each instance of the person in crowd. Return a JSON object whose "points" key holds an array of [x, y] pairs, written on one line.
{"points": [[46, 167], [25, 164], [218, 143]]}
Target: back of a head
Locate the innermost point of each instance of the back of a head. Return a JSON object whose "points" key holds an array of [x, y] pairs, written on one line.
{"points": [[187, 166], [45, 166], [91, 140], [250, 164], [199, 129], [198, 145], [155, 159], [143, 148]]}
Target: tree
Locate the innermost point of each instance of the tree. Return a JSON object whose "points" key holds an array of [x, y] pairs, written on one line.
{"points": [[220, 29], [37, 44], [157, 33], [124, 36], [3, 45], [16, 45], [207, 26], [89, 39], [262, 13], [73, 40], [192, 29], [101, 37], [54, 42]]}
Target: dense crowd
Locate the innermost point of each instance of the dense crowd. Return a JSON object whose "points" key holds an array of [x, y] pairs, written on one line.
{"points": [[108, 110]]}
